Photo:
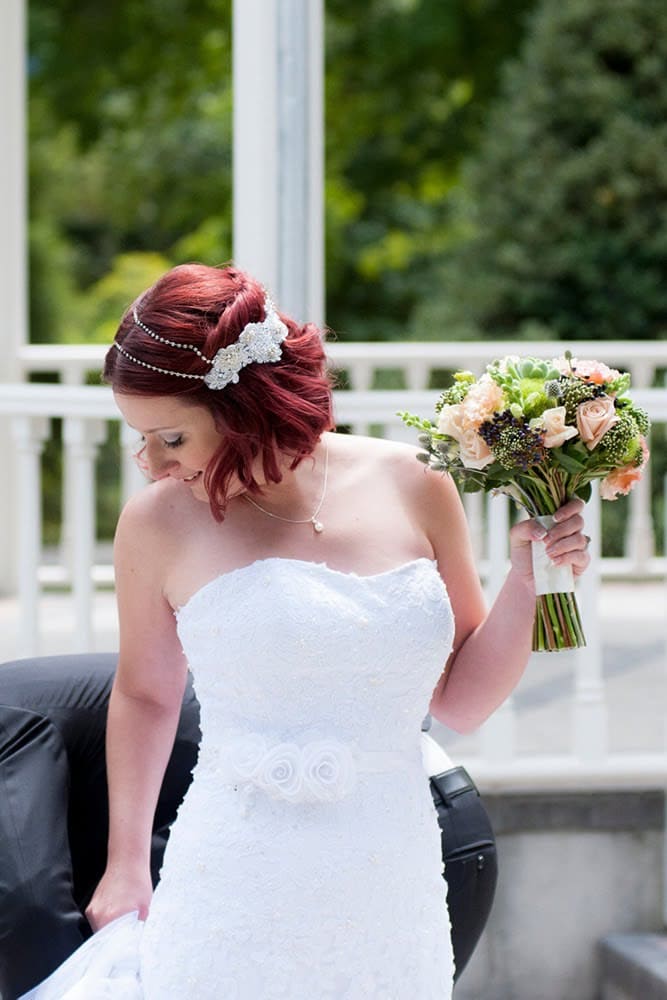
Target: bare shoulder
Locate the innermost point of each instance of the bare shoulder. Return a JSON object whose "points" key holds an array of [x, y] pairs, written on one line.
{"points": [[395, 465], [151, 662], [152, 522], [373, 452]]}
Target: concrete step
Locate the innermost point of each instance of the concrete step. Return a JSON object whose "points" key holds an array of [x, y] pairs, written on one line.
{"points": [[633, 967]]}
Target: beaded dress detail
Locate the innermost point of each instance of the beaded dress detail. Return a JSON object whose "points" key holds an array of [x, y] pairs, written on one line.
{"points": [[305, 862]]}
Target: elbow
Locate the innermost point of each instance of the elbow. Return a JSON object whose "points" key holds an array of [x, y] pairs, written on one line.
{"points": [[462, 716], [459, 722]]}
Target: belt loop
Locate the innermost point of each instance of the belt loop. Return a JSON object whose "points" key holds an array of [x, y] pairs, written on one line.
{"points": [[452, 783]]}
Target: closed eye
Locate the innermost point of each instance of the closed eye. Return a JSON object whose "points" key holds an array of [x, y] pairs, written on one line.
{"points": [[139, 445], [174, 443]]}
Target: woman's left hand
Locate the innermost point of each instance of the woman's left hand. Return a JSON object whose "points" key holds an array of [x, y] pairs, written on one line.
{"points": [[566, 544]]}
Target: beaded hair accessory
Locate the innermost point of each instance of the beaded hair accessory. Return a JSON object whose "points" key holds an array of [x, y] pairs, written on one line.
{"points": [[257, 343]]}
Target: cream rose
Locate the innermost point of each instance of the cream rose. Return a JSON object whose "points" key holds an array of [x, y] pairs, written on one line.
{"points": [[474, 451], [452, 420], [552, 424], [594, 418]]}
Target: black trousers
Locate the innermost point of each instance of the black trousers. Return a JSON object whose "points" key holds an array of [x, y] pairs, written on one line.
{"points": [[54, 817]]}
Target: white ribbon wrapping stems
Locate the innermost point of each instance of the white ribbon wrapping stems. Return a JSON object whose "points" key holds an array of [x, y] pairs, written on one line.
{"points": [[549, 578]]}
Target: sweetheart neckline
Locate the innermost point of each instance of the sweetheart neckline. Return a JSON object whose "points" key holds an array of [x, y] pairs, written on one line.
{"points": [[322, 565]]}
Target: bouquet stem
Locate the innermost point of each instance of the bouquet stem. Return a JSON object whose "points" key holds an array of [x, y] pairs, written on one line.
{"points": [[557, 623]]}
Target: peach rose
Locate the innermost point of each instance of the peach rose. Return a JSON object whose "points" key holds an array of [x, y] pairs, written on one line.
{"points": [[594, 418], [621, 481], [594, 371], [452, 420], [474, 452], [484, 398], [591, 371], [552, 424]]}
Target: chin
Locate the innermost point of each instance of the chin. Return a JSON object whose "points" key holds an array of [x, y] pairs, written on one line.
{"points": [[199, 493]]}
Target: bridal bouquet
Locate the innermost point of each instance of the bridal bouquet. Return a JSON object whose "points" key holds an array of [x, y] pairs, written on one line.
{"points": [[541, 432]]}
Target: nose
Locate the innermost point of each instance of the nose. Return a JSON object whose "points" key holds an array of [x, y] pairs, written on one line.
{"points": [[155, 463]]}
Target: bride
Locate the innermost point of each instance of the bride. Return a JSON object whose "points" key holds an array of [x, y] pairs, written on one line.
{"points": [[322, 589]]}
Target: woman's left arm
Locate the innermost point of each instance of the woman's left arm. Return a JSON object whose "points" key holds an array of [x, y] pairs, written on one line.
{"points": [[490, 650]]}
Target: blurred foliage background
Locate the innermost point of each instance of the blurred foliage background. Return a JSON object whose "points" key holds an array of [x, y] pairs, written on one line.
{"points": [[494, 168]]}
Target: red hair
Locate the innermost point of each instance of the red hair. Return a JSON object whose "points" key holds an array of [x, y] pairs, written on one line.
{"points": [[277, 408]]}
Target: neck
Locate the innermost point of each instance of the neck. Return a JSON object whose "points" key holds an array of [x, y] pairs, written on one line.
{"points": [[300, 489]]}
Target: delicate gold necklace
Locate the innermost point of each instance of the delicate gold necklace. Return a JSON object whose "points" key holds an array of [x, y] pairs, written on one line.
{"points": [[318, 527]]}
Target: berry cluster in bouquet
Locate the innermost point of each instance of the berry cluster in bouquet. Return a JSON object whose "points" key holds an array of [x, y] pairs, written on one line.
{"points": [[541, 432]]}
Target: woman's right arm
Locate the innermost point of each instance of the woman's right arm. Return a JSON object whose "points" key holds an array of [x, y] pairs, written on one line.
{"points": [[143, 715]]}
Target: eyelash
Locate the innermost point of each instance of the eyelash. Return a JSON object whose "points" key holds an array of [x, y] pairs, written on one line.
{"points": [[176, 443]]}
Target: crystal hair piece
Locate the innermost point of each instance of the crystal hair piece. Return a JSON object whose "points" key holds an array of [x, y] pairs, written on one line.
{"points": [[257, 343]]}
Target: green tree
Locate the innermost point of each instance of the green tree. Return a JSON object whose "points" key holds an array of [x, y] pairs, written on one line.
{"points": [[130, 117], [130, 107], [567, 191], [407, 84]]}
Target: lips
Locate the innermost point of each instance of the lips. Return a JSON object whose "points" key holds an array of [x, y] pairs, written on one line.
{"points": [[191, 479]]}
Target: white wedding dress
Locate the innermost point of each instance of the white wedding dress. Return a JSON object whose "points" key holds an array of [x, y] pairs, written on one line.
{"points": [[305, 862]]}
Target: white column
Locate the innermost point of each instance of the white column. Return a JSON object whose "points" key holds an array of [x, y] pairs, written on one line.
{"points": [[590, 707], [499, 732], [497, 544], [81, 438], [132, 478], [69, 375], [13, 332], [278, 156], [639, 541], [29, 435], [473, 504]]}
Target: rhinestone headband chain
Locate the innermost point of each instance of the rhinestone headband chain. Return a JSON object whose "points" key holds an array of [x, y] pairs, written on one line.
{"points": [[257, 343]]}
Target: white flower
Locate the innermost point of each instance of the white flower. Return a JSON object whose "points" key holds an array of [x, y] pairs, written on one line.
{"points": [[328, 770], [320, 771], [244, 756], [279, 772]]}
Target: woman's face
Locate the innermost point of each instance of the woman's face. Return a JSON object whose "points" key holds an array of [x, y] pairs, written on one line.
{"points": [[177, 438]]}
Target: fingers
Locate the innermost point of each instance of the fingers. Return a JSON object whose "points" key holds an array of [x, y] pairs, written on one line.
{"points": [[565, 542], [573, 506]]}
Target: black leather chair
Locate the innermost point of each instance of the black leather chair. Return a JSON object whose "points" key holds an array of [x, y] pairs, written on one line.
{"points": [[54, 818]]}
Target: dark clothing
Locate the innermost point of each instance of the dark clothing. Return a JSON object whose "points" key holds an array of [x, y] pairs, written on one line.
{"points": [[52, 767]]}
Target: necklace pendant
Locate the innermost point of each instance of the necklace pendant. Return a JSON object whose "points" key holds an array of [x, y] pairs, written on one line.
{"points": [[318, 527]]}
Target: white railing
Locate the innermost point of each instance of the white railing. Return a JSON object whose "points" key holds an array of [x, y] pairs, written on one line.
{"points": [[88, 412], [416, 363]]}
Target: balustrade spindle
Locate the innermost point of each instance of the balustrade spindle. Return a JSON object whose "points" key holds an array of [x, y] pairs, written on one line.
{"points": [[590, 711], [497, 738], [81, 439], [131, 477], [640, 541], [29, 434]]}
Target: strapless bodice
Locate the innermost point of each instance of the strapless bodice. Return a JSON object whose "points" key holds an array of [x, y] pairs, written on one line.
{"points": [[297, 651]]}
